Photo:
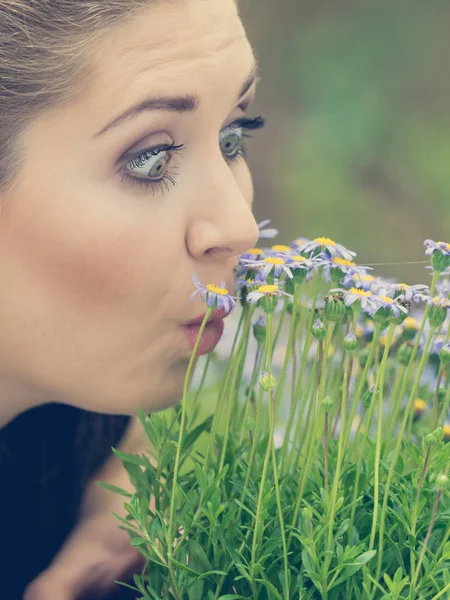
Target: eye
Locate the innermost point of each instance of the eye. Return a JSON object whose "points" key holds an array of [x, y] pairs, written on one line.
{"points": [[231, 141], [151, 167]]}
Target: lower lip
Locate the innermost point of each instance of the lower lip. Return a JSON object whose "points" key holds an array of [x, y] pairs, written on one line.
{"points": [[210, 338]]}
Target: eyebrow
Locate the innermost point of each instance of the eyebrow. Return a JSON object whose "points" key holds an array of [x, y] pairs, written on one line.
{"points": [[177, 104]]}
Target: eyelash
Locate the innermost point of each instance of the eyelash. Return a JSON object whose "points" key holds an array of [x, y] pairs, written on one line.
{"points": [[244, 123]]}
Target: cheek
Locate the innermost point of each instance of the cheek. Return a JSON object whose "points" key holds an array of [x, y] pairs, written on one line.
{"points": [[97, 253]]}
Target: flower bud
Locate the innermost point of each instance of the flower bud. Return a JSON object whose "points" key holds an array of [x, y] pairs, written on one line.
{"points": [[328, 403], [437, 315], [444, 354], [366, 400], [250, 424], [442, 482], [334, 308], [319, 330], [259, 330], [404, 354], [429, 441], [438, 434], [351, 345], [268, 383], [439, 261]]}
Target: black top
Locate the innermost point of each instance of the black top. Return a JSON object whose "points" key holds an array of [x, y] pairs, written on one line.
{"points": [[47, 455]]}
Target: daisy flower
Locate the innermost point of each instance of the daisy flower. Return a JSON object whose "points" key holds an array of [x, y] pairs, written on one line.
{"points": [[328, 246], [365, 298], [214, 296], [359, 279], [277, 264], [411, 293], [439, 252], [384, 303], [271, 292]]}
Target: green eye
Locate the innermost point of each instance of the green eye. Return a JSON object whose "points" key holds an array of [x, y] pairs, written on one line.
{"points": [[159, 167], [231, 142]]}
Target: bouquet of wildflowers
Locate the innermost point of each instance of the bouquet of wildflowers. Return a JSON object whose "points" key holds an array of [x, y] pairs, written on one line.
{"points": [[323, 472]]}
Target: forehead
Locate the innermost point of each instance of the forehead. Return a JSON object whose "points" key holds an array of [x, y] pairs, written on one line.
{"points": [[174, 42]]}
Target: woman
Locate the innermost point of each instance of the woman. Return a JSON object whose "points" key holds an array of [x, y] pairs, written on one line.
{"points": [[122, 173]]}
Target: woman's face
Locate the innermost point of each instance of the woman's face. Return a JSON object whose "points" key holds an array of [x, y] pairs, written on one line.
{"points": [[96, 269]]}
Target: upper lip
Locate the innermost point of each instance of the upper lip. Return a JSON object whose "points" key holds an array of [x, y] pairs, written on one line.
{"points": [[216, 315]]}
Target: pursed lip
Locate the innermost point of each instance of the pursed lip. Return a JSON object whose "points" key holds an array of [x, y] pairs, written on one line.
{"points": [[216, 315]]}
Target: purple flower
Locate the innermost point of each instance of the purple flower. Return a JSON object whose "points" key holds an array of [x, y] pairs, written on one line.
{"points": [[327, 245], [443, 247], [271, 290], [300, 262], [383, 301], [411, 293], [214, 296], [353, 295], [277, 264]]}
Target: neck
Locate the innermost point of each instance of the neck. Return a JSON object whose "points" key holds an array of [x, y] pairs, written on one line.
{"points": [[17, 397]]}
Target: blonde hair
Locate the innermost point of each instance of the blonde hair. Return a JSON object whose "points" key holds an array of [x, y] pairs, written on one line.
{"points": [[43, 61]]}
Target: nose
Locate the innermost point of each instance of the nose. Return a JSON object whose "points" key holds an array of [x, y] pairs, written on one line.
{"points": [[222, 224]]}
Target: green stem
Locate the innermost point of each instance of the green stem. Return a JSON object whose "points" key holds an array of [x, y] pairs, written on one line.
{"points": [[241, 351], [287, 358], [337, 475], [171, 532], [259, 524], [408, 409], [379, 383], [225, 382], [313, 434], [427, 537]]}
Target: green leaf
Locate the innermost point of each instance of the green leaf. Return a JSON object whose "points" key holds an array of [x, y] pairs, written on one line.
{"points": [[113, 488], [197, 557], [141, 461], [138, 541], [270, 587]]}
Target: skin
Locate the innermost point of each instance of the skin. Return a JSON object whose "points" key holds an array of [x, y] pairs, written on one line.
{"points": [[96, 273]]}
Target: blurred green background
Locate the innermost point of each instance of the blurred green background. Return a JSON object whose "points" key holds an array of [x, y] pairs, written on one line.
{"points": [[357, 144]]}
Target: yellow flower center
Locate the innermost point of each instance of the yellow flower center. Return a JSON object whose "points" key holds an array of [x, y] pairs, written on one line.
{"points": [[250, 281], [387, 299], [410, 323], [359, 330], [446, 430], [358, 277], [214, 289], [280, 248], [358, 292], [441, 302], [268, 289], [403, 286], [255, 251], [273, 260], [419, 405], [324, 241], [343, 262], [443, 245], [298, 259]]}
